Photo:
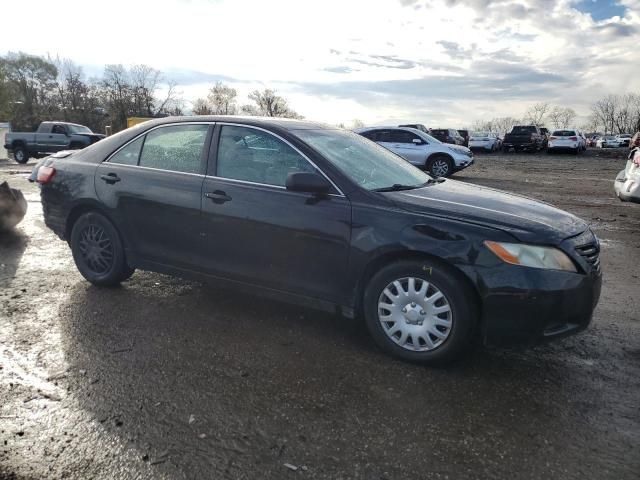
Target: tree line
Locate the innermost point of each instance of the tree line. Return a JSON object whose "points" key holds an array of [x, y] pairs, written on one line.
{"points": [[35, 89], [612, 114]]}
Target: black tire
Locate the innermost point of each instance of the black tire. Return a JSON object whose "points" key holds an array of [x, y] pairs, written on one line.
{"points": [[98, 250], [21, 154], [505, 149], [461, 299], [437, 163]]}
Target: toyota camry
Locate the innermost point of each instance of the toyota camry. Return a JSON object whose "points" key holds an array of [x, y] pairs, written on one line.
{"points": [[323, 217]]}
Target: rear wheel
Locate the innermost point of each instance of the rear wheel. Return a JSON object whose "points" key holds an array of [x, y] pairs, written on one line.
{"points": [[98, 250], [440, 166], [20, 154], [420, 311]]}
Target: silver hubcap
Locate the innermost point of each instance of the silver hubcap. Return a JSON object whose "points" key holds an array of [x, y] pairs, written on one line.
{"points": [[440, 168], [415, 314], [19, 155]]}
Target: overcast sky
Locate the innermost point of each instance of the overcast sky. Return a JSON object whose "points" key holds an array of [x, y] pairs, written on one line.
{"points": [[442, 63]]}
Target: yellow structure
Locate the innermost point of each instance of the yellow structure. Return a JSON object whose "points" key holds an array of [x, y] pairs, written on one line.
{"points": [[131, 121]]}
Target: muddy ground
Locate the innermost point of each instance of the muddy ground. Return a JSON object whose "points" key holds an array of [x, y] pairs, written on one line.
{"points": [[164, 378]]}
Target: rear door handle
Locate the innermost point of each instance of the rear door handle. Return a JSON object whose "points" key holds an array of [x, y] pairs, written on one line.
{"points": [[217, 196], [110, 178]]}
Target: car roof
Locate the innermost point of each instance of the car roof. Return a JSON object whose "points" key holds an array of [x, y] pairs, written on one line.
{"points": [[47, 122], [386, 127], [283, 123]]}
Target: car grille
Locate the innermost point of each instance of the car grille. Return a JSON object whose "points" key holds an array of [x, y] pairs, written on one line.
{"points": [[591, 253]]}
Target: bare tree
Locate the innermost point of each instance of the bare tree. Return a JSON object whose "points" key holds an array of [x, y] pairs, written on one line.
{"points": [[222, 99], [536, 114], [201, 107], [31, 82], [561, 117], [357, 123], [605, 111], [269, 104]]}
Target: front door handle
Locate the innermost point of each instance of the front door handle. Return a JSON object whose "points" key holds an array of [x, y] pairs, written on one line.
{"points": [[110, 178], [217, 196]]}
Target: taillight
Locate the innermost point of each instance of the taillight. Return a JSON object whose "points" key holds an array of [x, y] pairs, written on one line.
{"points": [[573, 138], [45, 174]]}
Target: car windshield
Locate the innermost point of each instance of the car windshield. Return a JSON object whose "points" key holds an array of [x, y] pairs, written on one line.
{"points": [[78, 129], [365, 162]]}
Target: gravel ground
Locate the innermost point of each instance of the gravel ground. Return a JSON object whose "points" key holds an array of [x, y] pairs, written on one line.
{"points": [[168, 379]]}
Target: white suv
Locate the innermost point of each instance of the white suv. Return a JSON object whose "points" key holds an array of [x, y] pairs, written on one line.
{"points": [[568, 140], [421, 149]]}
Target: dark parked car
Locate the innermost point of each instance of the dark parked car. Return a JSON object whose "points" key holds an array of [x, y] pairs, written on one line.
{"points": [[465, 135], [324, 217], [49, 138], [524, 137], [447, 135]]}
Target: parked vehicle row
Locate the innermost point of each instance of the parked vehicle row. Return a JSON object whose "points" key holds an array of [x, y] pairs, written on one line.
{"points": [[430, 264], [50, 137]]}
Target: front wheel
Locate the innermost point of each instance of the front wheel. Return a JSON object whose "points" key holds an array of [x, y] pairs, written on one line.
{"points": [[98, 250], [440, 166], [420, 311], [21, 155]]}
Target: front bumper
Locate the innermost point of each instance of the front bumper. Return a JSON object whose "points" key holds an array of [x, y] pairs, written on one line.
{"points": [[463, 162], [525, 306]]}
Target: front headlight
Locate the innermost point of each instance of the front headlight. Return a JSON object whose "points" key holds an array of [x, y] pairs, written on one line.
{"points": [[531, 256]]}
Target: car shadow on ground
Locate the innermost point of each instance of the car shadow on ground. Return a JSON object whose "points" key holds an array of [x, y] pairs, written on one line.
{"points": [[211, 380]]}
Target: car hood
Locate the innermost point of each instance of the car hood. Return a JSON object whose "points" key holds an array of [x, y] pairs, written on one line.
{"points": [[527, 219]]}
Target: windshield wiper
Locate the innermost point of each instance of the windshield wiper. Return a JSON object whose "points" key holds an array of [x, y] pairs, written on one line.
{"points": [[396, 187]]}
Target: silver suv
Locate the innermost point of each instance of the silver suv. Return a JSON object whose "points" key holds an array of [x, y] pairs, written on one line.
{"points": [[421, 149]]}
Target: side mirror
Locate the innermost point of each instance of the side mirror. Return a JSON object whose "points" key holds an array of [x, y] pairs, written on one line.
{"points": [[417, 141], [307, 182]]}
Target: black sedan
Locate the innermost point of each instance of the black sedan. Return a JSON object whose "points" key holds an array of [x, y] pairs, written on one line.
{"points": [[324, 217]]}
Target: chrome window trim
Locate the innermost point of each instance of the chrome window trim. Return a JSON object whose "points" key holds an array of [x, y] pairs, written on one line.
{"points": [[340, 194], [257, 184], [174, 124], [157, 169]]}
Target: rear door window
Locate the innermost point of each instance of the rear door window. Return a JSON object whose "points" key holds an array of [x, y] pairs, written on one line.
{"points": [[402, 136], [177, 148]]}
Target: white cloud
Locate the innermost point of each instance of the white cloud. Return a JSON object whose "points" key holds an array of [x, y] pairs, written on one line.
{"points": [[445, 62]]}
